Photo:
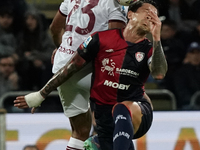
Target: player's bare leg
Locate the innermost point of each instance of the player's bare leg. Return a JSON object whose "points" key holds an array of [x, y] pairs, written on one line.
{"points": [[81, 126]]}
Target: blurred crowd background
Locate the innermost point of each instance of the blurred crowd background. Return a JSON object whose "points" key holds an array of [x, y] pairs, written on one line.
{"points": [[26, 47]]}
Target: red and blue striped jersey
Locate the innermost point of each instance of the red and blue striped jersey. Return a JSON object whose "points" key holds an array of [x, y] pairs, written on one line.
{"points": [[120, 68]]}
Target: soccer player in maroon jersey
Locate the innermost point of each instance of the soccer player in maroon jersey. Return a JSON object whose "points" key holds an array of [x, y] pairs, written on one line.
{"points": [[72, 24], [122, 59]]}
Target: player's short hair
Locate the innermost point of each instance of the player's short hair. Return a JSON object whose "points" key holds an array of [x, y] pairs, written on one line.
{"points": [[137, 4]]}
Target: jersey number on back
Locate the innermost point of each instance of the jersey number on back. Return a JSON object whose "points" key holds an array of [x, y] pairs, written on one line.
{"points": [[85, 10]]}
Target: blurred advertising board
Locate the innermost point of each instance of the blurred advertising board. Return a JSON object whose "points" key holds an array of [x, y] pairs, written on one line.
{"points": [[171, 130]]}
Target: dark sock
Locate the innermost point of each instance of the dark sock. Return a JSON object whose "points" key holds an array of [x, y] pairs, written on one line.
{"points": [[131, 147], [123, 132]]}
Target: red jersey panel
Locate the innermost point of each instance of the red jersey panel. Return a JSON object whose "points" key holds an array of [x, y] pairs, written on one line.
{"points": [[120, 67]]}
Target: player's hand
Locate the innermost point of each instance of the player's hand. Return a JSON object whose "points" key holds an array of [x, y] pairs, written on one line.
{"points": [[30, 100], [155, 25], [20, 102]]}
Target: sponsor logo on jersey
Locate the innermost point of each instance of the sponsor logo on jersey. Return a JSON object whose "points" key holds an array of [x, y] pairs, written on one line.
{"points": [[65, 50], [139, 56], [116, 85], [87, 41], [127, 72], [108, 65]]}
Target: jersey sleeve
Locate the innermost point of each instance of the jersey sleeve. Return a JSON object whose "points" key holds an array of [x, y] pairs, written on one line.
{"points": [[89, 48], [116, 11], [63, 8]]}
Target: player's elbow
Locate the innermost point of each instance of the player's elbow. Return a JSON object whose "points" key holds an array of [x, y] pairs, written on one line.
{"points": [[159, 73], [158, 76], [52, 28]]}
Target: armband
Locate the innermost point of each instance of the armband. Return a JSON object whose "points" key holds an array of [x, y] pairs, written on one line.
{"points": [[34, 99]]}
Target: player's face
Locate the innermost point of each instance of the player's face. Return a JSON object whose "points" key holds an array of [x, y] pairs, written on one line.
{"points": [[142, 18]]}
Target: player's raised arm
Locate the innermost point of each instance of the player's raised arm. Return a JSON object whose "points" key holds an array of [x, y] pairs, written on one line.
{"points": [[158, 66]]}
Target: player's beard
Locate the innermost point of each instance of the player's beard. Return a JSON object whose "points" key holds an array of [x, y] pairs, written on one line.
{"points": [[143, 29]]}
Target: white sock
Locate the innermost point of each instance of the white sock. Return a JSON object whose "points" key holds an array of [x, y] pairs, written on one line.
{"points": [[75, 144]]}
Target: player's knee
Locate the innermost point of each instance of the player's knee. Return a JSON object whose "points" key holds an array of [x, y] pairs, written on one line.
{"points": [[135, 112], [133, 107]]}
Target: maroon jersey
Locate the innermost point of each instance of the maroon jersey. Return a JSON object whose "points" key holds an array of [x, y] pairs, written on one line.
{"points": [[120, 68]]}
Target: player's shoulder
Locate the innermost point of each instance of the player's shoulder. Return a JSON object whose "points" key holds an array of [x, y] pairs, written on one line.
{"points": [[109, 35]]}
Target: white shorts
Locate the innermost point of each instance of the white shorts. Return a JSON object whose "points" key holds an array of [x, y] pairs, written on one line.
{"points": [[74, 93]]}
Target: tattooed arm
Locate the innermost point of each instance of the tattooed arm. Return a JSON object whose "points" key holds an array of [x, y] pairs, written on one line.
{"points": [[74, 65], [158, 66]]}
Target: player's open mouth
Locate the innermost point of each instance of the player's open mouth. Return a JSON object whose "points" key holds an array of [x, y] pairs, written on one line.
{"points": [[145, 23]]}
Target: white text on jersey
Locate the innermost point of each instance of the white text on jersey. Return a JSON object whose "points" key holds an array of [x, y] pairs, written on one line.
{"points": [[65, 50], [116, 85], [127, 72]]}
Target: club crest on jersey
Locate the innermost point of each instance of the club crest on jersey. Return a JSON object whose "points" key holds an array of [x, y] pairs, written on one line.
{"points": [[108, 65], [87, 41], [139, 56]]}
